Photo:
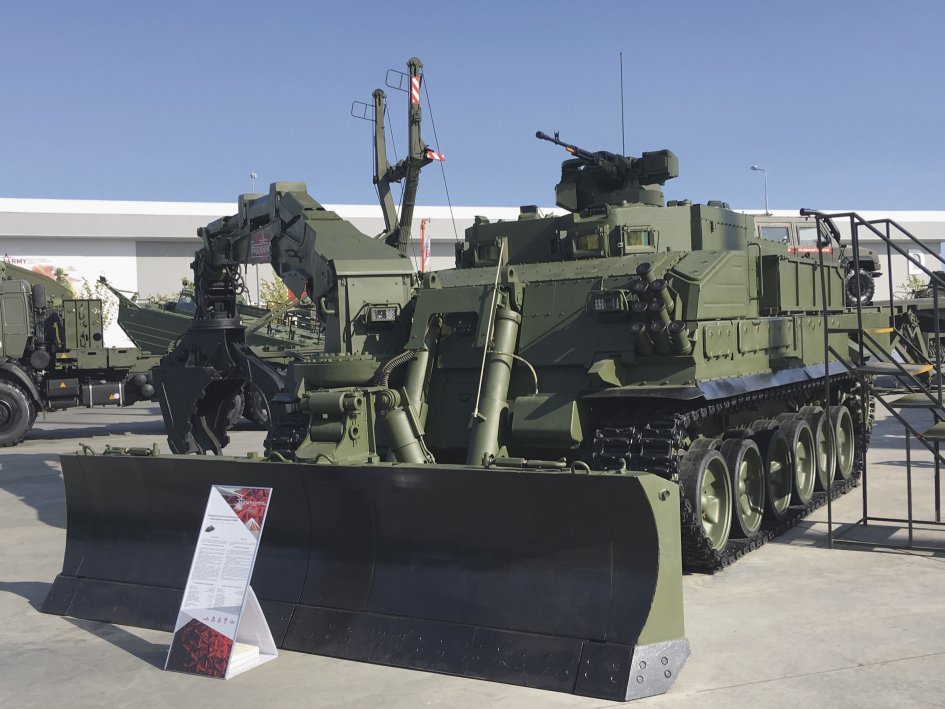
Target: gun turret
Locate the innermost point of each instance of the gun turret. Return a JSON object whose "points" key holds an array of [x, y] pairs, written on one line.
{"points": [[602, 177]]}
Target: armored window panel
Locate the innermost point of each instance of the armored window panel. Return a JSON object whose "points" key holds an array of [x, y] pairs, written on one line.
{"points": [[778, 234]]}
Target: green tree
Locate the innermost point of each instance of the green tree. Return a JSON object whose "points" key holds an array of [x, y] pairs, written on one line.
{"points": [[273, 293], [909, 287], [62, 278], [88, 291]]}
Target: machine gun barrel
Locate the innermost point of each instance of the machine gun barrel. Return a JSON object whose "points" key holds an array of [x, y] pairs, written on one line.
{"points": [[577, 152]]}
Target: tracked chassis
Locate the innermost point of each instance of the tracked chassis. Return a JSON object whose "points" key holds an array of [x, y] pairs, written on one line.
{"points": [[656, 436]]}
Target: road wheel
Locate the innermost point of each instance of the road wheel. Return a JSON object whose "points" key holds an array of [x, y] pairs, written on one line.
{"points": [[779, 471], [801, 441], [748, 485], [845, 439], [866, 287], [705, 481], [16, 414], [823, 445]]}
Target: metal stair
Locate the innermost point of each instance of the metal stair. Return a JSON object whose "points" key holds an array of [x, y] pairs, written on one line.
{"points": [[913, 367]]}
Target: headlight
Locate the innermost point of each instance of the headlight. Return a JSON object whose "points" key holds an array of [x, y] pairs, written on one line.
{"points": [[607, 302]]}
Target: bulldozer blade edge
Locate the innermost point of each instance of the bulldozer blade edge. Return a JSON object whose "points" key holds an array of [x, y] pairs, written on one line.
{"points": [[492, 574]]}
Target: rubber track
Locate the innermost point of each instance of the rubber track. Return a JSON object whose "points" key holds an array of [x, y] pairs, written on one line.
{"points": [[655, 443]]}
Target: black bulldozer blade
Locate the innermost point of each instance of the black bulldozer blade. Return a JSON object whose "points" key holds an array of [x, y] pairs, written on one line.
{"points": [[558, 581]]}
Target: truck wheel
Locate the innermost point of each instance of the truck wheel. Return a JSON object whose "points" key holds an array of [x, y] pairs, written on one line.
{"points": [[234, 410], [867, 287], [256, 409], [16, 416]]}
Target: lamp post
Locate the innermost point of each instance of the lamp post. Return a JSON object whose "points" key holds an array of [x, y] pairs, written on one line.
{"points": [[765, 174], [252, 176]]}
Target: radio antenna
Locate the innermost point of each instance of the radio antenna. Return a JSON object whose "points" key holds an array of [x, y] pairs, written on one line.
{"points": [[623, 130]]}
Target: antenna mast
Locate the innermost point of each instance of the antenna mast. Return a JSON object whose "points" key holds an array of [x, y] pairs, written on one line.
{"points": [[623, 131]]}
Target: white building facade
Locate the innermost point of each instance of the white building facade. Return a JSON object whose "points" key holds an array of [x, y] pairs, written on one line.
{"points": [[147, 247]]}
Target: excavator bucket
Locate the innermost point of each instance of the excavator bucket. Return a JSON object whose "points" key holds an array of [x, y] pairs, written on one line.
{"points": [[497, 574]]}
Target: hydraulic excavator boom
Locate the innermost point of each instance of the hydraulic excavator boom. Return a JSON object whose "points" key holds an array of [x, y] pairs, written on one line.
{"points": [[350, 276]]}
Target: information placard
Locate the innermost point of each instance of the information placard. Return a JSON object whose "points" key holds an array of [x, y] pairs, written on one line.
{"points": [[221, 630]]}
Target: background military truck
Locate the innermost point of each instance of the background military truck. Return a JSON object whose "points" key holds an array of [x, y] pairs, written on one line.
{"points": [[52, 354], [800, 234]]}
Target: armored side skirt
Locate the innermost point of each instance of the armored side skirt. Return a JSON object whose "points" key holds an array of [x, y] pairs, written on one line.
{"points": [[558, 581]]}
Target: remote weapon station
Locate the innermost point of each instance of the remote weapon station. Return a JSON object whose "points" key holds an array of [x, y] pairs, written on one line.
{"points": [[485, 472]]}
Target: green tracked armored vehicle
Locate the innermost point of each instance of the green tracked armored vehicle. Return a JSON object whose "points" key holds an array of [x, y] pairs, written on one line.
{"points": [[670, 339], [487, 471]]}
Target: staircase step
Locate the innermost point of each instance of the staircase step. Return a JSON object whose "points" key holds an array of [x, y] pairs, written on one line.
{"points": [[854, 330], [893, 368], [936, 433], [914, 401]]}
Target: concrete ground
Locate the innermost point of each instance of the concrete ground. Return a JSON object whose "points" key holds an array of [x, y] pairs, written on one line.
{"points": [[793, 624]]}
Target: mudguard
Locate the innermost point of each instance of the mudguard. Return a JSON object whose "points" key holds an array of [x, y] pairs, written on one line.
{"points": [[551, 580], [16, 373]]}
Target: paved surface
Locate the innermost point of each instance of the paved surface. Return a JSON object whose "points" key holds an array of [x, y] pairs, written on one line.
{"points": [[793, 624]]}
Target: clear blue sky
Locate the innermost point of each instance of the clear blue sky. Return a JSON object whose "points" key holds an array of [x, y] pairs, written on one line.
{"points": [[841, 102]]}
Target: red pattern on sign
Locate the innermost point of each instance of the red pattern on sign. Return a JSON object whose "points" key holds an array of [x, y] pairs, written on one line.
{"points": [[249, 504], [260, 247], [415, 90], [433, 155], [199, 649]]}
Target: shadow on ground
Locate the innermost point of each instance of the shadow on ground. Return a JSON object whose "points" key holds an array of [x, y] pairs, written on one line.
{"points": [[50, 432], [154, 654], [875, 537], [33, 591], [35, 479]]}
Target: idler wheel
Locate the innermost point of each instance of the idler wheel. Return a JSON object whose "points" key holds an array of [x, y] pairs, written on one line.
{"points": [[845, 439], [801, 441], [748, 485], [705, 481], [779, 471]]}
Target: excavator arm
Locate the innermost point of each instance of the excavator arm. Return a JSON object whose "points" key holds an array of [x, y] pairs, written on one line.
{"points": [[353, 279]]}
